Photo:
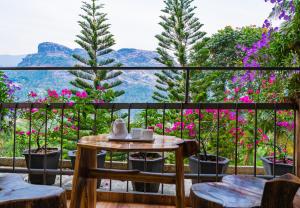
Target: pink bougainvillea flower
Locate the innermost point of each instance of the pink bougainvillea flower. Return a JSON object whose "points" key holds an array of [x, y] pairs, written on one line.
{"points": [[159, 125], [20, 133], [53, 94], [250, 91], [232, 116], [192, 133], [98, 101], [66, 92], [246, 99], [56, 129], [189, 112], [34, 110], [33, 131], [190, 126], [70, 103], [28, 133], [236, 90], [82, 94], [168, 130], [32, 94]]}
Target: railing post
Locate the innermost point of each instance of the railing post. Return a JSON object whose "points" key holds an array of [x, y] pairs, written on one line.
{"points": [[297, 126], [187, 86]]}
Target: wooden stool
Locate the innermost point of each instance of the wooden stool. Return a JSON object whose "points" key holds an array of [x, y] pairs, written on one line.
{"points": [[16, 193], [246, 191]]}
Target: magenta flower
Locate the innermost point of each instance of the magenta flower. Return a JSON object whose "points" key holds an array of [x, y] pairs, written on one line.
{"points": [[20, 133], [53, 94], [246, 99], [32, 94], [34, 110], [188, 112], [70, 103], [82, 94], [190, 126], [159, 125], [66, 92]]}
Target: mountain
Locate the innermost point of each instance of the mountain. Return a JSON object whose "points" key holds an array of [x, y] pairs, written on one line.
{"points": [[138, 85], [10, 60]]}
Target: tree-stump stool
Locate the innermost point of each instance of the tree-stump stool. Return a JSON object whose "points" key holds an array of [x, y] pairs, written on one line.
{"points": [[246, 192], [16, 193]]}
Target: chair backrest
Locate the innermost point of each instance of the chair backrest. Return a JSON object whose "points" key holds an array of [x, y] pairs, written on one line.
{"points": [[280, 192]]}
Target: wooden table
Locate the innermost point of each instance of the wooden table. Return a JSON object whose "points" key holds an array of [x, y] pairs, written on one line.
{"points": [[86, 172]]}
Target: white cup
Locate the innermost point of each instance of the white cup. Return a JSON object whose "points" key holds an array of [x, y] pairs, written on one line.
{"points": [[147, 134], [136, 133]]}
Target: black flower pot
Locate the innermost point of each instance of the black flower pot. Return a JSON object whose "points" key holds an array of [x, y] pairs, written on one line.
{"points": [[280, 168], [100, 161], [40, 160], [207, 166], [154, 165]]}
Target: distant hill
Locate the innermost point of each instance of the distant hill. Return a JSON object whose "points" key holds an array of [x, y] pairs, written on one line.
{"points": [[137, 84], [10, 60]]}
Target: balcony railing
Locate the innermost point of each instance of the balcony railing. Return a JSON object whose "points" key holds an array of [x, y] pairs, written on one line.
{"points": [[161, 111]]}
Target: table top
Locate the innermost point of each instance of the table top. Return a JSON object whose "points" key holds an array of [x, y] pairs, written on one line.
{"points": [[160, 144]]}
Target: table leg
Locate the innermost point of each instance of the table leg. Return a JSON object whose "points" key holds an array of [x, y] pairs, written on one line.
{"points": [[84, 189], [180, 194]]}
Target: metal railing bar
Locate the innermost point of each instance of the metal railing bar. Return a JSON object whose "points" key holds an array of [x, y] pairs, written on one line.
{"points": [[124, 68], [174, 106], [29, 145], [199, 145], [274, 142], [236, 140], [61, 143], [255, 139], [163, 153], [110, 152], [218, 143], [15, 136], [128, 125], [45, 151]]}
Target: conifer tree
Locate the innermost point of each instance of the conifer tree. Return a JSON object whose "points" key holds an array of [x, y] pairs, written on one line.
{"points": [[96, 39], [181, 31]]}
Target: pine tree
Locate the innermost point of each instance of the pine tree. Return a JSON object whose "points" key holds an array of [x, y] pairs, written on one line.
{"points": [[97, 41], [181, 33]]}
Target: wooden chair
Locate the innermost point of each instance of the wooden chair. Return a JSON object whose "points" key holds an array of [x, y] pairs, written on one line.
{"points": [[246, 192], [16, 193]]}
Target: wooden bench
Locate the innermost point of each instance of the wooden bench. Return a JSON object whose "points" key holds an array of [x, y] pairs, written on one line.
{"points": [[246, 192], [16, 193]]}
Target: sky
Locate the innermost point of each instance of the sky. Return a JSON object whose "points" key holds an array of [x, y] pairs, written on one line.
{"points": [[134, 23]]}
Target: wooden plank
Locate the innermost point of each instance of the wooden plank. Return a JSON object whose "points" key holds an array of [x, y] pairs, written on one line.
{"points": [[180, 194], [133, 175], [84, 189]]}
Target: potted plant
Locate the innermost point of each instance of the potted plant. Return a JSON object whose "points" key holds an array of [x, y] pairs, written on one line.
{"points": [[149, 162], [42, 155], [284, 144], [283, 163], [188, 127], [206, 163]]}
